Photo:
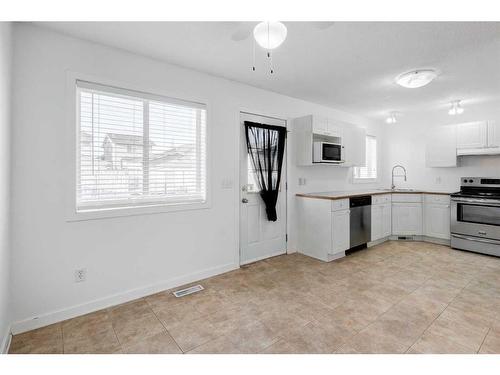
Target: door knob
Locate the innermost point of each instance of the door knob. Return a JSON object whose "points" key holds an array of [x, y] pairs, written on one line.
{"points": [[244, 200]]}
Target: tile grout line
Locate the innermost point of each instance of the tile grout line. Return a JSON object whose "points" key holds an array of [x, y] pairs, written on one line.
{"points": [[447, 305], [484, 339], [114, 331], [166, 330]]}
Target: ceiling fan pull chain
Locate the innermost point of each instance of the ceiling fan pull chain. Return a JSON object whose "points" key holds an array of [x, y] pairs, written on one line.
{"points": [[270, 61], [253, 66]]}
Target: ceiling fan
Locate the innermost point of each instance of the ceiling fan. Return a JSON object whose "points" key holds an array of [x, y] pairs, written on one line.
{"points": [[244, 29], [269, 35]]}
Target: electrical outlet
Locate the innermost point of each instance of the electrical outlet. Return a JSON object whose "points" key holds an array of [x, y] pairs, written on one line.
{"points": [[80, 275], [438, 180]]}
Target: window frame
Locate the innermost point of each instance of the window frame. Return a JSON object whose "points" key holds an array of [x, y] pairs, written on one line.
{"points": [[72, 150], [357, 180]]}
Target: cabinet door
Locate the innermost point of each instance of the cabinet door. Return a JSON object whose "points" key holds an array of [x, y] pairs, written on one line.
{"points": [[354, 141], [320, 125], [472, 135], [493, 134], [437, 221], [407, 218], [441, 147], [340, 231], [386, 220], [376, 222], [334, 129]]}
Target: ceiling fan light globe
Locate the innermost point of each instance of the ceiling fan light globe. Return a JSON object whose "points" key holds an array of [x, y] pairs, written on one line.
{"points": [[270, 35]]}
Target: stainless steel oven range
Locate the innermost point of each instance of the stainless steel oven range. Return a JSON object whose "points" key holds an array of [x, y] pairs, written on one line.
{"points": [[475, 215]]}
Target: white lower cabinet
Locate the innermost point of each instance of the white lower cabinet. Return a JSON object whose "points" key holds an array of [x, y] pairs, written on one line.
{"points": [[407, 219], [381, 221], [437, 216], [340, 231]]}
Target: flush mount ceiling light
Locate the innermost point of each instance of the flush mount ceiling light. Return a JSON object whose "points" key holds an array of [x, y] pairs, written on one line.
{"points": [[270, 35], [456, 108], [392, 118], [416, 78]]}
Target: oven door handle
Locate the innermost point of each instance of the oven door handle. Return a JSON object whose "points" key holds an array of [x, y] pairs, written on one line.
{"points": [[486, 202], [477, 239]]}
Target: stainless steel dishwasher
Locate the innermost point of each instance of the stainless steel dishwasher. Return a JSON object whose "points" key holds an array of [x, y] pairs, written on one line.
{"points": [[360, 220]]}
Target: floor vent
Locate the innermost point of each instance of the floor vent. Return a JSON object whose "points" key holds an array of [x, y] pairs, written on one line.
{"points": [[406, 238], [190, 290]]}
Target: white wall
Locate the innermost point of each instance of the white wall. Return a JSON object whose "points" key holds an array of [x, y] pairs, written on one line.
{"points": [[137, 253], [405, 142], [5, 104]]}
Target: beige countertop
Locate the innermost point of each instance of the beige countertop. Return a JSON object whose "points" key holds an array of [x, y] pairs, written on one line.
{"points": [[356, 193]]}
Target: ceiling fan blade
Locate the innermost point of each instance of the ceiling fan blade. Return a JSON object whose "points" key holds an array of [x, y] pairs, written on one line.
{"points": [[242, 33], [323, 25]]}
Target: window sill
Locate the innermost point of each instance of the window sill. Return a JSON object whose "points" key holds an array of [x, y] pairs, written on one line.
{"points": [[108, 213]]}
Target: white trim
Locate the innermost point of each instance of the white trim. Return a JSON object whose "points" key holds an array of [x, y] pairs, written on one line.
{"points": [[7, 339], [70, 168], [116, 299], [264, 257]]}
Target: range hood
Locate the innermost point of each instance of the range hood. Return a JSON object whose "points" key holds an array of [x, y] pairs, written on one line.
{"points": [[478, 151]]}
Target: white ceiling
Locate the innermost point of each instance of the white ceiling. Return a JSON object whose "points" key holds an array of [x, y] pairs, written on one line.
{"points": [[348, 65]]}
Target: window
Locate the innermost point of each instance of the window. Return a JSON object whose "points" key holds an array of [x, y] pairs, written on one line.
{"points": [[368, 173], [136, 149]]}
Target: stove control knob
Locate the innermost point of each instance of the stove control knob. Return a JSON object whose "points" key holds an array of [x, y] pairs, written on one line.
{"points": [[471, 181], [465, 180]]}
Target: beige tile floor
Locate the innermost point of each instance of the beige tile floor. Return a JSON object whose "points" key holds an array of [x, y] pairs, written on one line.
{"points": [[398, 297]]}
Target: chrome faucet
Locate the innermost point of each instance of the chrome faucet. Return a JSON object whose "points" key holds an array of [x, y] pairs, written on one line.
{"points": [[404, 175]]}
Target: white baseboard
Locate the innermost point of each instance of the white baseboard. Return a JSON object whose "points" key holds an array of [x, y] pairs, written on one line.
{"points": [[6, 341], [263, 257], [102, 303]]}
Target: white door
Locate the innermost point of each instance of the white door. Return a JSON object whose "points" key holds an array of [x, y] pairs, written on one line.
{"points": [[386, 220], [376, 222], [441, 147], [407, 218], [493, 134], [437, 221], [320, 125], [472, 135], [259, 238], [340, 231], [354, 142]]}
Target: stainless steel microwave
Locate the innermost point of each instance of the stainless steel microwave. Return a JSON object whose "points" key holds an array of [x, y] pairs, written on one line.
{"points": [[326, 152]]}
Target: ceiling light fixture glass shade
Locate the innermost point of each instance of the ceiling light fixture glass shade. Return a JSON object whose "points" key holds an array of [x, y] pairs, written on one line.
{"points": [[416, 78], [456, 108], [391, 119], [270, 35]]}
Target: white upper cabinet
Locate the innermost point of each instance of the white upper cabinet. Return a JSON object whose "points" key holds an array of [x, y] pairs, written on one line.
{"points": [[441, 147], [493, 134], [308, 129], [326, 126], [319, 125], [354, 146], [472, 135]]}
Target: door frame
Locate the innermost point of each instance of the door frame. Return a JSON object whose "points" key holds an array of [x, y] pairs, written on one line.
{"points": [[284, 182]]}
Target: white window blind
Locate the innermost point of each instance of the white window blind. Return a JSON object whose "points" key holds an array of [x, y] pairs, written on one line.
{"points": [[369, 171], [137, 149]]}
